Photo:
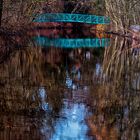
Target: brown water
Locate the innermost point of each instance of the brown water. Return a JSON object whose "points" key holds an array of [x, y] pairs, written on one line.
{"points": [[70, 94], [57, 107]]}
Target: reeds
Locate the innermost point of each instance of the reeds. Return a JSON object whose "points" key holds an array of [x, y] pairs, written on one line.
{"points": [[120, 61], [116, 102], [122, 13]]}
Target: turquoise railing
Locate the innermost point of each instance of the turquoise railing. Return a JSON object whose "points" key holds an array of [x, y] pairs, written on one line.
{"points": [[65, 17]]}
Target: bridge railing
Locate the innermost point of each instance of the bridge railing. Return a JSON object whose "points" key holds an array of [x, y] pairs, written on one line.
{"points": [[65, 17]]}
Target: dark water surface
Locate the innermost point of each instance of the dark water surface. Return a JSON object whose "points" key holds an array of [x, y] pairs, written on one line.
{"points": [[70, 94]]}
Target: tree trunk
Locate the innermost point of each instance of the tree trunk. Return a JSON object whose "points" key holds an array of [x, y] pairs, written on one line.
{"points": [[1, 7]]}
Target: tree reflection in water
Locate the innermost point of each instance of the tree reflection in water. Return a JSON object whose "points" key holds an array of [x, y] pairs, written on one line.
{"points": [[116, 101], [33, 89], [32, 92]]}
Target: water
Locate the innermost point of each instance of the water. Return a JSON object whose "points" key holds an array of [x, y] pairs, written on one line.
{"points": [[73, 125], [49, 93]]}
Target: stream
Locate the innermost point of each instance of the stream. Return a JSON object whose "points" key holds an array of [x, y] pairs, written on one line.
{"points": [[53, 90]]}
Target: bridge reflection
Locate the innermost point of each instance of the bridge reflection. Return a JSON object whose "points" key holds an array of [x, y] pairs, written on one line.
{"points": [[69, 35], [72, 43]]}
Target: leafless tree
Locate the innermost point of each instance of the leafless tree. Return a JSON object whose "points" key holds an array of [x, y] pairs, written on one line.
{"points": [[1, 7], [123, 13]]}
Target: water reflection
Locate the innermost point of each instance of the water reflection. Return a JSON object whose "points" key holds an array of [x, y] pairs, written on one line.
{"points": [[122, 69], [73, 75], [88, 55], [72, 125], [72, 101], [81, 94], [98, 70], [72, 43], [42, 97]]}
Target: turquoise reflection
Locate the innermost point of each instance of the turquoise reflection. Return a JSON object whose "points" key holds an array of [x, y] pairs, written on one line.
{"points": [[72, 43], [65, 17]]}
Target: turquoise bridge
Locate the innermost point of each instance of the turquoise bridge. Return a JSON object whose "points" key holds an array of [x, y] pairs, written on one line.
{"points": [[65, 17], [72, 43]]}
